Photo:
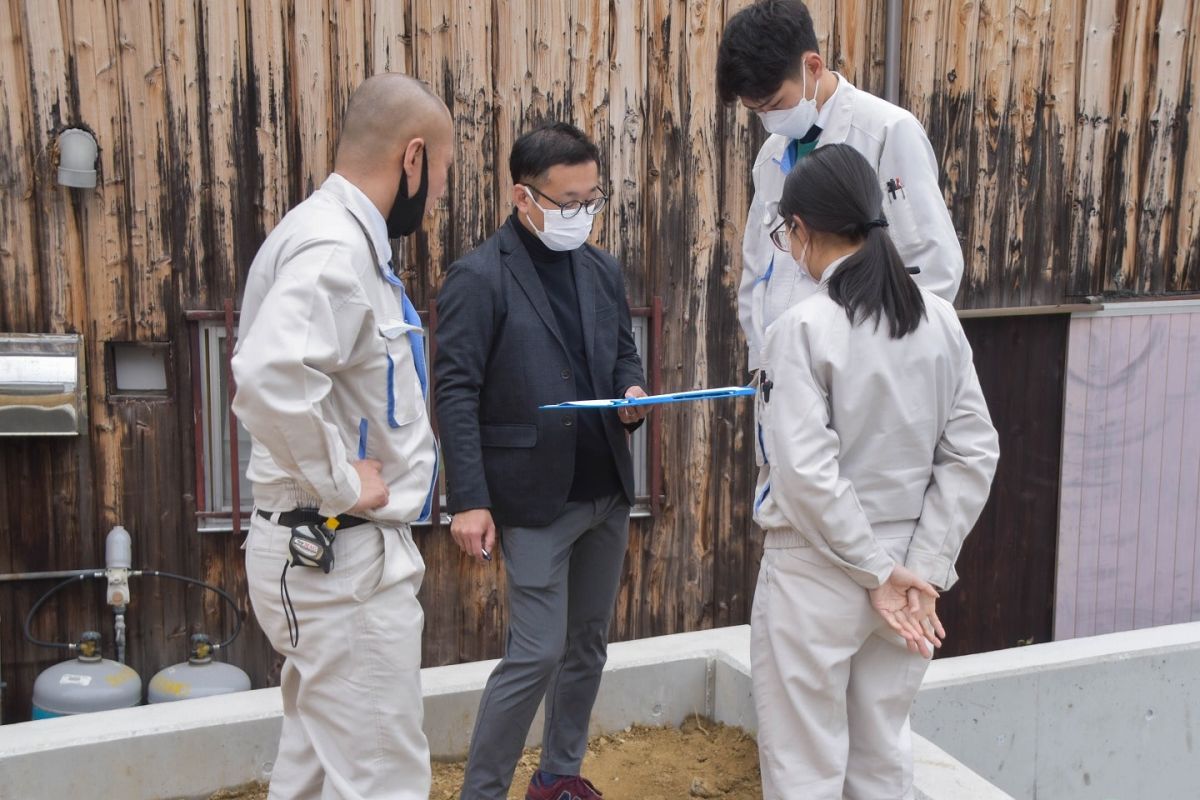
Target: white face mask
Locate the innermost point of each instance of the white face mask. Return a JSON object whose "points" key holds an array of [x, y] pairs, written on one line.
{"points": [[793, 122], [561, 234], [799, 254]]}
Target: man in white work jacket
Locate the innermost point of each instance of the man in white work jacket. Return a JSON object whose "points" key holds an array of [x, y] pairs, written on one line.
{"points": [[331, 382], [768, 60]]}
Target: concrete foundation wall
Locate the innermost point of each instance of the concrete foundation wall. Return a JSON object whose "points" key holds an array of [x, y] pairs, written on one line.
{"points": [[1113, 717], [194, 747]]}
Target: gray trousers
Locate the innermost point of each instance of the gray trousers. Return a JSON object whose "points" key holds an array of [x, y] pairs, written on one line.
{"points": [[562, 584]]}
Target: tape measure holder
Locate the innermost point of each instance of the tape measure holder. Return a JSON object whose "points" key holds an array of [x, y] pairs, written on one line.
{"points": [[312, 545]]}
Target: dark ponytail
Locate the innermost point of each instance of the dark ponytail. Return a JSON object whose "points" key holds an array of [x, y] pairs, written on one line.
{"points": [[834, 190]]}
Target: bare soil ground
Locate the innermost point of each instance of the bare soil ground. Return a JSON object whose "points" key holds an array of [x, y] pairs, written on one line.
{"points": [[700, 759]]}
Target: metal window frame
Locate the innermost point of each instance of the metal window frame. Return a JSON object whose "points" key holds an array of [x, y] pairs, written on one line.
{"points": [[115, 395], [205, 374]]}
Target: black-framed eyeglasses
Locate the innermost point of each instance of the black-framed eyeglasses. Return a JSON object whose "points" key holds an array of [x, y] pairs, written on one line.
{"points": [[781, 236], [592, 206]]}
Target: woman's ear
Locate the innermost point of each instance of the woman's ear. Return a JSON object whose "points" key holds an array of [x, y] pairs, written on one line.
{"points": [[799, 231]]}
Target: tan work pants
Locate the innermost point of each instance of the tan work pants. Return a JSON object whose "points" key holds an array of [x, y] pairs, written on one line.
{"points": [[352, 707], [832, 685]]}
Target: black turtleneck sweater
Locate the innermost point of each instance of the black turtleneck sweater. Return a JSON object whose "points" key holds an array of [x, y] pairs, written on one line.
{"points": [[595, 470]]}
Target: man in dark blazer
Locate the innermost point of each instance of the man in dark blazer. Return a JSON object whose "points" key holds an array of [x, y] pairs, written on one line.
{"points": [[536, 316]]}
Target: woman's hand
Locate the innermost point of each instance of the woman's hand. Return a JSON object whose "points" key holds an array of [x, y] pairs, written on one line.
{"points": [[927, 617], [901, 611]]}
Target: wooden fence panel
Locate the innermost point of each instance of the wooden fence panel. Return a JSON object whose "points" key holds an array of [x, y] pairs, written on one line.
{"points": [[1005, 594]]}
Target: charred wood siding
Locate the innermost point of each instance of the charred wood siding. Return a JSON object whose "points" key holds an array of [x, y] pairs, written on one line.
{"points": [[1066, 132], [1067, 137]]}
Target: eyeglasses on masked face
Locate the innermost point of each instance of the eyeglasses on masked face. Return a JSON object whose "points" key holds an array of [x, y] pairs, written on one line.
{"points": [[781, 235], [569, 209]]}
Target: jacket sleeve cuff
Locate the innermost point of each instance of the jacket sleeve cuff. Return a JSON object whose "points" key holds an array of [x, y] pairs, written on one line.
{"points": [[755, 359], [874, 572], [346, 497], [936, 569], [458, 503]]}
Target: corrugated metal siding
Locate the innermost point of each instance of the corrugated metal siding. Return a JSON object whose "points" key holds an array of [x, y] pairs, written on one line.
{"points": [[1131, 472]]}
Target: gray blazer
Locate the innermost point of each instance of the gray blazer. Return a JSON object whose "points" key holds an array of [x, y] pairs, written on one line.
{"points": [[500, 355]]}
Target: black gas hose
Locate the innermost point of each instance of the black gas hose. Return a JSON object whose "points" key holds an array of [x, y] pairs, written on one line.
{"points": [[154, 573]]}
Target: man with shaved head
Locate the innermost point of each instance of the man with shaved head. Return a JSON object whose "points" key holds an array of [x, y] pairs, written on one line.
{"points": [[331, 377]]}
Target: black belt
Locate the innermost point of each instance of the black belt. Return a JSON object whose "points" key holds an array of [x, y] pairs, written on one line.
{"points": [[307, 516]]}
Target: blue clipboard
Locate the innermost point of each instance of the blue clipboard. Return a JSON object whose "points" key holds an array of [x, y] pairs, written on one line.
{"points": [[656, 399]]}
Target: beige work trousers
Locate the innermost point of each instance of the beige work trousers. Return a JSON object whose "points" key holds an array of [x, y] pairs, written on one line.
{"points": [[352, 707], [832, 685]]}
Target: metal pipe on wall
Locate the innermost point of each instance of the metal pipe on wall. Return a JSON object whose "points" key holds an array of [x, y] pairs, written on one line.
{"points": [[13, 577], [891, 55]]}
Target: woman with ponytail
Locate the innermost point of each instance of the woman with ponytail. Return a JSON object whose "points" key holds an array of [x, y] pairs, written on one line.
{"points": [[877, 456]]}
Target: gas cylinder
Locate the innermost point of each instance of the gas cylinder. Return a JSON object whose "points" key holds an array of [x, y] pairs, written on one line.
{"points": [[199, 676], [86, 683]]}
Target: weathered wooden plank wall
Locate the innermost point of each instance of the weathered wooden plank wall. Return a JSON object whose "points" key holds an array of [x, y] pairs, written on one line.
{"points": [[1066, 131], [1130, 474]]}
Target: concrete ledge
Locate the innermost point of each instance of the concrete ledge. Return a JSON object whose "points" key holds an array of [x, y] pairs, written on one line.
{"points": [[186, 748], [1098, 718], [940, 776], [1161, 641], [191, 748], [658, 681]]}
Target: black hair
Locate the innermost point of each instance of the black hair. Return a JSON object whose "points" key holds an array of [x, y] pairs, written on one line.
{"points": [[761, 48], [547, 146], [834, 190]]}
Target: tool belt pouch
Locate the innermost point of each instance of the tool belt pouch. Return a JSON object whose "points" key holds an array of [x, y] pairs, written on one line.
{"points": [[312, 546]]}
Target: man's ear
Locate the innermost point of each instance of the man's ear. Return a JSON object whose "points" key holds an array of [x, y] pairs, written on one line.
{"points": [[413, 155], [520, 197], [815, 65]]}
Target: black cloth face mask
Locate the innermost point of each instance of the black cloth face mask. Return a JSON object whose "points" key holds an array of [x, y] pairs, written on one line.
{"points": [[405, 217]]}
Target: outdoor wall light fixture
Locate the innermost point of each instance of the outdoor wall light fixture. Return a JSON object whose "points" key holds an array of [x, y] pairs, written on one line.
{"points": [[77, 150]]}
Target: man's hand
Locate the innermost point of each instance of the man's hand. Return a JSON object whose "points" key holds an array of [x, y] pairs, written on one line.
{"points": [[474, 531], [374, 492], [901, 610], [927, 616], [632, 414]]}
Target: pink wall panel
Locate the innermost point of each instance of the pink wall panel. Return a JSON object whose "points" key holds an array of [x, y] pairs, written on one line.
{"points": [[1129, 507]]}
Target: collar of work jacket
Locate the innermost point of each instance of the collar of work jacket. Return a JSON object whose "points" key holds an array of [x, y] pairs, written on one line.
{"points": [[368, 216], [829, 270]]}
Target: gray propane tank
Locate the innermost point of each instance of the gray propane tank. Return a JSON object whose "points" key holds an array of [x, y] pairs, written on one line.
{"points": [[199, 676], [84, 684]]}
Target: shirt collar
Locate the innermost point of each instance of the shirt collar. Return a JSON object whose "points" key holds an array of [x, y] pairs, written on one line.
{"points": [[832, 268], [827, 109], [365, 212]]}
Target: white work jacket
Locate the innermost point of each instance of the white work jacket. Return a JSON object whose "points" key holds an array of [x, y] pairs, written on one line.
{"points": [[895, 144], [324, 368], [866, 439]]}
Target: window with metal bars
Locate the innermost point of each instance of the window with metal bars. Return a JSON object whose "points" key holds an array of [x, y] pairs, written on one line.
{"points": [[222, 447]]}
